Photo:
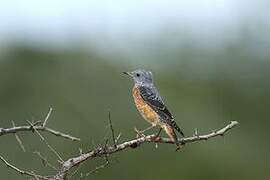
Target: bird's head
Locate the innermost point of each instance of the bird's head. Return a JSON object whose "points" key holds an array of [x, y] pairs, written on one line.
{"points": [[141, 76]]}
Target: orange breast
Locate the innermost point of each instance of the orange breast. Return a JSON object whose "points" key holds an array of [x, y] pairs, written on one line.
{"points": [[145, 110]]}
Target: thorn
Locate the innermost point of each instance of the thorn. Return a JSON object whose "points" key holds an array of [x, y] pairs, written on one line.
{"points": [[47, 117], [36, 123], [214, 130], [80, 151], [196, 132], [139, 133], [118, 137]]}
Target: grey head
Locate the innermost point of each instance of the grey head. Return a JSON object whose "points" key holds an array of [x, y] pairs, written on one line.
{"points": [[141, 77]]}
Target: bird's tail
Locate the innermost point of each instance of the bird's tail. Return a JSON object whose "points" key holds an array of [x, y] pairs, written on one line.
{"points": [[177, 127]]}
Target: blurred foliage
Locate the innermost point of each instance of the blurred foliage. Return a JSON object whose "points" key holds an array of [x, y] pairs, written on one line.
{"points": [[203, 90]]}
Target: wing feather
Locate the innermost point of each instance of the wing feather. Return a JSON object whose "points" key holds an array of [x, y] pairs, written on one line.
{"points": [[152, 97]]}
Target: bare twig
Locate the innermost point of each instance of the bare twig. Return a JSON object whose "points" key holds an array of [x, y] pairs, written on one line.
{"points": [[46, 142], [18, 138], [44, 161], [22, 172], [38, 126], [76, 171], [35, 127], [96, 169], [100, 151], [5, 131], [47, 117], [111, 127]]}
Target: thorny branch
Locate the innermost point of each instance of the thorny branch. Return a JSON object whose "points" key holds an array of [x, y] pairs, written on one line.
{"points": [[35, 128], [32, 127], [68, 165], [46, 142], [107, 150]]}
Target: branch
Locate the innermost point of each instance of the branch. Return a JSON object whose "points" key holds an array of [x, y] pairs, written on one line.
{"points": [[22, 172], [46, 142], [106, 150], [5, 131], [35, 127]]}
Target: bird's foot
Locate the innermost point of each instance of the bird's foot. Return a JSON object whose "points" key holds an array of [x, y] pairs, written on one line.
{"points": [[159, 131], [178, 148], [179, 145]]}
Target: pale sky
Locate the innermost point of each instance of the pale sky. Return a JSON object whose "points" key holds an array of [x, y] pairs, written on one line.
{"points": [[60, 23]]}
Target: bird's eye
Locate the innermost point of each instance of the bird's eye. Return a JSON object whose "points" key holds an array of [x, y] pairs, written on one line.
{"points": [[138, 75]]}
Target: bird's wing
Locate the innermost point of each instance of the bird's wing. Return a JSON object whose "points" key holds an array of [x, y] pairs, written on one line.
{"points": [[153, 99], [151, 96]]}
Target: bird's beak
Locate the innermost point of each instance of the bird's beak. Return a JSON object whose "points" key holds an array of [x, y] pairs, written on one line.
{"points": [[128, 73]]}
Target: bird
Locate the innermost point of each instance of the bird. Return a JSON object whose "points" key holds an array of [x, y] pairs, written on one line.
{"points": [[150, 104]]}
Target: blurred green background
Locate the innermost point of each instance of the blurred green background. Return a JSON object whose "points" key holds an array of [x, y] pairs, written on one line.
{"points": [[210, 61]]}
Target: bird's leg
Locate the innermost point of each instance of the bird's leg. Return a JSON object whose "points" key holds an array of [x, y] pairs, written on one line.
{"points": [[159, 131]]}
